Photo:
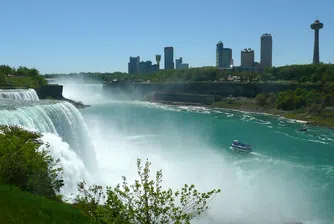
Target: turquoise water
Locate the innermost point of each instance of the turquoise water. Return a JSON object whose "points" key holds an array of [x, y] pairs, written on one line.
{"points": [[289, 175]]}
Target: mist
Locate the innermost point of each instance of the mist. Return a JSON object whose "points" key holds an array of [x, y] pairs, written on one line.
{"points": [[255, 189]]}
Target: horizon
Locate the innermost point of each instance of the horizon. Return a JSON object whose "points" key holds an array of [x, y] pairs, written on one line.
{"points": [[82, 36]]}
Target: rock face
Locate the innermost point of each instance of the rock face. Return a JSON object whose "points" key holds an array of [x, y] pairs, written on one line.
{"points": [[50, 91], [77, 104], [56, 92], [223, 89], [201, 99]]}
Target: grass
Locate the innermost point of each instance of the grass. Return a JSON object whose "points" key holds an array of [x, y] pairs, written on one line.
{"points": [[17, 206]]}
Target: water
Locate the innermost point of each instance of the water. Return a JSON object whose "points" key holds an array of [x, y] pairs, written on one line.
{"points": [[56, 117], [18, 94], [289, 175]]}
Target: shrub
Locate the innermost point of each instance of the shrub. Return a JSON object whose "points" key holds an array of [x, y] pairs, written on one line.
{"points": [[261, 99], [315, 109], [23, 164], [144, 202]]}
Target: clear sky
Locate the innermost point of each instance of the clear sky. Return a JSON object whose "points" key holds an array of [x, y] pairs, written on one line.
{"points": [[65, 36]]}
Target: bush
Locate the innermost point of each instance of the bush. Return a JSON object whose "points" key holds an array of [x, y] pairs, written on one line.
{"points": [[144, 202], [22, 163], [315, 109], [261, 99], [271, 100]]}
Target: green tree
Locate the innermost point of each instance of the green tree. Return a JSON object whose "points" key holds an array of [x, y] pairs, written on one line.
{"points": [[23, 164], [285, 100], [144, 202], [271, 100], [261, 99], [2, 77]]}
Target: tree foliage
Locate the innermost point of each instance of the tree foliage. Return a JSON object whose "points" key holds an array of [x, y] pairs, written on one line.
{"points": [[303, 73], [144, 201], [311, 100], [24, 164], [21, 77], [291, 73]]}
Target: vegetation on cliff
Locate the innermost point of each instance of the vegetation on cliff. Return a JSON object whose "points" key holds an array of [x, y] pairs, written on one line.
{"points": [[21, 77], [30, 180], [291, 73], [310, 105], [25, 164]]}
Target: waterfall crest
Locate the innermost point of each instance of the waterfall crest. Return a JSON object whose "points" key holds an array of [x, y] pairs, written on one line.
{"points": [[60, 118], [18, 94]]}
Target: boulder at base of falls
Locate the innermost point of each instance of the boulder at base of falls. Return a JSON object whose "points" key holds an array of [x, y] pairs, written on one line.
{"points": [[77, 104]]}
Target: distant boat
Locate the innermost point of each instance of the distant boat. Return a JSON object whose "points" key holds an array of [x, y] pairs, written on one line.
{"points": [[303, 129], [236, 145]]}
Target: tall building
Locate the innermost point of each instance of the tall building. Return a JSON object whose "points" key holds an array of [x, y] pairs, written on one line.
{"points": [[133, 65], [184, 66], [169, 58], [180, 65], [223, 56], [145, 67], [227, 58], [316, 26], [158, 59], [219, 54], [266, 50], [247, 58], [178, 62]]}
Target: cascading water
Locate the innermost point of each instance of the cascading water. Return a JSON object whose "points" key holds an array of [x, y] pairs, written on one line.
{"points": [[57, 117], [18, 94], [73, 168], [289, 176]]}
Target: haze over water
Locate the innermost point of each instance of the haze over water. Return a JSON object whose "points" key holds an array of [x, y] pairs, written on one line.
{"points": [[288, 176]]}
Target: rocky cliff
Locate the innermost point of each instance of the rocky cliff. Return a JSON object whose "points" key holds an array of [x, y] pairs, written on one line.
{"points": [[50, 91], [221, 89]]}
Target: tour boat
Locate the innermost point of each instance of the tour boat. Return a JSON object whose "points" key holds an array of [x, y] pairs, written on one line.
{"points": [[241, 146]]}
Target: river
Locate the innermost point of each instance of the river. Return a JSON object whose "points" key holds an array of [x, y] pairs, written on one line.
{"points": [[289, 175]]}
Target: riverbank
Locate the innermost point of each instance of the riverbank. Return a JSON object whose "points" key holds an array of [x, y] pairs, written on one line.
{"points": [[250, 105]]}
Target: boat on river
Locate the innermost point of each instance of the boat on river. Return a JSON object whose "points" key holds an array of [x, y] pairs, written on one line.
{"points": [[236, 145]]}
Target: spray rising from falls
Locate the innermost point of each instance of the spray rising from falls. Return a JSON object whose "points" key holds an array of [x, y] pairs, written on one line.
{"points": [[18, 94], [57, 117]]}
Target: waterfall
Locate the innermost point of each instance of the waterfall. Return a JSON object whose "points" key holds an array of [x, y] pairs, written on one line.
{"points": [[18, 94], [57, 117]]}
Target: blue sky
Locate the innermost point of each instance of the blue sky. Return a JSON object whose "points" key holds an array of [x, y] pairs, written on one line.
{"points": [[79, 35]]}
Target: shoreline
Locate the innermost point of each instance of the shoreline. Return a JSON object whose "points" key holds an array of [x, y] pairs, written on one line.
{"points": [[290, 115], [264, 113]]}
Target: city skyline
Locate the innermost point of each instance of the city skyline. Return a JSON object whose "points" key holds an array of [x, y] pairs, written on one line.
{"points": [[86, 36]]}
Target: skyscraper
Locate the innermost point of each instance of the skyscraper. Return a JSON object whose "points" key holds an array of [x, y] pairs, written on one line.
{"points": [[169, 58], [133, 65], [266, 50], [145, 67], [316, 26], [223, 56], [247, 58], [178, 62], [227, 58], [219, 54]]}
